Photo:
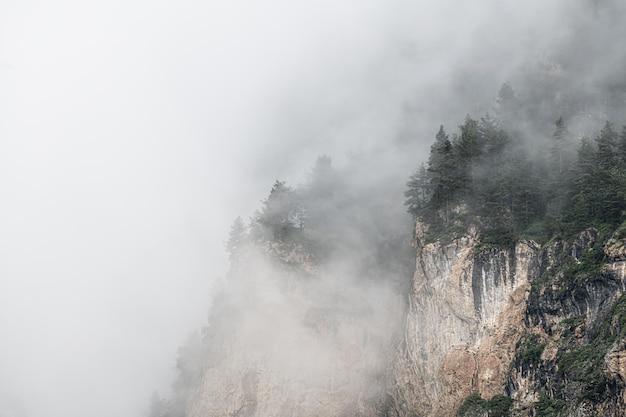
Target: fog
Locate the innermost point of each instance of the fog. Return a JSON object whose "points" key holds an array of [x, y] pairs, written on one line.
{"points": [[133, 133]]}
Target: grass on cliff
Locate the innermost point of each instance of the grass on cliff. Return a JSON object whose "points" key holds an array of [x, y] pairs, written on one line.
{"points": [[566, 272], [476, 406], [548, 407], [529, 350], [580, 364]]}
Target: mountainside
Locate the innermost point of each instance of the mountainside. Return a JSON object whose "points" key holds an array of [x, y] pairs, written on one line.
{"points": [[502, 330], [466, 312], [495, 323]]}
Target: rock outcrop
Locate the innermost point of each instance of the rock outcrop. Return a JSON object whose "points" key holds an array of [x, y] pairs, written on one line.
{"points": [[543, 327], [466, 311]]}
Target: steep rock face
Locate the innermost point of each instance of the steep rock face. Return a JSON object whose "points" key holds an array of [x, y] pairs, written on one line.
{"points": [[466, 312], [543, 326], [576, 315]]}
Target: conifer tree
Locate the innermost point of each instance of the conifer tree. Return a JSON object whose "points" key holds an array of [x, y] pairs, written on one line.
{"points": [[558, 144], [607, 147], [494, 139], [621, 146], [443, 172], [585, 180], [557, 173], [418, 193], [469, 147], [236, 237], [280, 215], [507, 106]]}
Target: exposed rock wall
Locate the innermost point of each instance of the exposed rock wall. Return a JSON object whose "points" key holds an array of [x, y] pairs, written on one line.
{"points": [[465, 313], [577, 315], [544, 326], [289, 339]]}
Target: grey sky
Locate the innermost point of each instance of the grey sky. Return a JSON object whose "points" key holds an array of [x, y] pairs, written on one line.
{"points": [[132, 133]]}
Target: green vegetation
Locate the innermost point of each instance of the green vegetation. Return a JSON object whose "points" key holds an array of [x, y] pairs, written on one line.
{"points": [[580, 361], [475, 405], [572, 322], [569, 272], [529, 349], [485, 176], [549, 407], [590, 264]]}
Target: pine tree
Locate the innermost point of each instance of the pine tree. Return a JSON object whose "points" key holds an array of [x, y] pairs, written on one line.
{"points": [[469, 148], [558, 144], [494, 139], [585, 180], [280, 215], [418, 194], [607, 155], [443, 172], [507, 106], [322, 178], [557, 172], [621, 146], [236, 238]]}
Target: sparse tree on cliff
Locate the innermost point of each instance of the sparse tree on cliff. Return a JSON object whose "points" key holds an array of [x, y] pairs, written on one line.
{"points": [[280, 215], [558, 146], [236, 237], [606, 141], [444, 174], [418, 193], [621, 146]]}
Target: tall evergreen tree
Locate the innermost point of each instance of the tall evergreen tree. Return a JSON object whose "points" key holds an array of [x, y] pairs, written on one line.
{"points": [[492, 136], [236, 237], [443, 169], [557, 148], [607, 154], [621, 146], [280, 215], [558, 173], [585, 202], [418, 193], [507, 106], [469, 147]]}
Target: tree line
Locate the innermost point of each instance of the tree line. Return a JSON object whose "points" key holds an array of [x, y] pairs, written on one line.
{"points": [[491, 176]]}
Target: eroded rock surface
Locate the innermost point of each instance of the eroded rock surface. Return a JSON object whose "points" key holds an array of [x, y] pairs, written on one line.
{"points": [[465, 315]]}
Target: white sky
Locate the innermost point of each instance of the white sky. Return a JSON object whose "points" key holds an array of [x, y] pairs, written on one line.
{"points": [[133, 132]]}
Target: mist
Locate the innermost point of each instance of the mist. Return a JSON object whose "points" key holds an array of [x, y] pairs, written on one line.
{"points": [[133, 133]]}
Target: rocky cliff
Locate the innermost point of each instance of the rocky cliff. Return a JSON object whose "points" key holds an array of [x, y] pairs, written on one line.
{"points": [[522, 331], [540, 329], [466, 311]]}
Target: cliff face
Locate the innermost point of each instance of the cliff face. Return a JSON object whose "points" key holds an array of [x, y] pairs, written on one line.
{"points": [[576, 318], [465, 313], [543, 328], [512, 322]]}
